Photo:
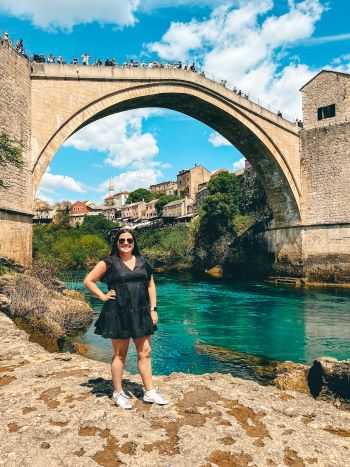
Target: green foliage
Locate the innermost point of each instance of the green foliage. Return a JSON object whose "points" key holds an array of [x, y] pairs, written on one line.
{"points": [[218, 213], [84, 250], [171, 245], [98, 225], [226, 183], [241, 223], [163, 200], [139, 195], [61, 220], [215, 230], [11, 151], [220, 206], [67, 247]]}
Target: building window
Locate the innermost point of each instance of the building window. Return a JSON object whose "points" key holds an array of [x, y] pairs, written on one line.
{"points": [[326, 112]]}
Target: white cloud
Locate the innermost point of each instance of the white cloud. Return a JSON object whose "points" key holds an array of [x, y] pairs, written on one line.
{"points": [[121, 137], [341, 64], [65, 14], [239, 164], [327, 39], [50, 183], [130, 180], [44, 197], [217, 140], [238, 43]]}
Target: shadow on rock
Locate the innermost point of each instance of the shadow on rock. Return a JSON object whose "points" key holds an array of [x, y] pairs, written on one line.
{"points": [[101, 387]]}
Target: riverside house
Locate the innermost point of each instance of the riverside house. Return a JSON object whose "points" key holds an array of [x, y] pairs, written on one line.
{"points": [[151, 212], [179, 208], [134, 211], [188, 180], [165, 188], [78, 211]]}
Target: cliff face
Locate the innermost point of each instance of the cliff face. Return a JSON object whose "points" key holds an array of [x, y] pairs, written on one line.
{"points": [[254, 195], [57, 410]]}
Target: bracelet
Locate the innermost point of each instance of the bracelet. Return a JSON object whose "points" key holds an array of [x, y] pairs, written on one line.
{"points": [[154, 308]]}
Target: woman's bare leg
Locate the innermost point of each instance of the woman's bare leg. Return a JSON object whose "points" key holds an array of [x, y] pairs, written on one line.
{"points": [[120, 348], [143, 348]]}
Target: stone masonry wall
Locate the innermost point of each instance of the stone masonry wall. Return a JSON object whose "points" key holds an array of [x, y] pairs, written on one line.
{"points": [[16, 197], [325, 172], [326, 88]]}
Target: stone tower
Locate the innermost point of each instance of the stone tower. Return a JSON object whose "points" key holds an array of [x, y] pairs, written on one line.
{"points": [[325, 176]]}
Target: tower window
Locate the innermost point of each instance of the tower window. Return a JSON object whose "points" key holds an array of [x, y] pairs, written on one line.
{"points": [[326, 112]]}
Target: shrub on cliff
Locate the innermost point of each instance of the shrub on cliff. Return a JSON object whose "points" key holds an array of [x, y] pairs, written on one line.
{"points": [[171, 246], [215, 230]]}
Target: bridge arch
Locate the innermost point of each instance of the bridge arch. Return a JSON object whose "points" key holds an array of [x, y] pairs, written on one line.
{"points": [[271, 146]]}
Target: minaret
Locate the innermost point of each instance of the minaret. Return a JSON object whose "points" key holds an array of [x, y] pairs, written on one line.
{"points": [[110, 188]]}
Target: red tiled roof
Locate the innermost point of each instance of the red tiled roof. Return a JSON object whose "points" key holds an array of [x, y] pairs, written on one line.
{"points": [[216, 172]]}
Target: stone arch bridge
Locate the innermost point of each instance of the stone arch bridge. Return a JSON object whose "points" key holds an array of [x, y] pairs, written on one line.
{"points": [[65, 98], [44, 104]]}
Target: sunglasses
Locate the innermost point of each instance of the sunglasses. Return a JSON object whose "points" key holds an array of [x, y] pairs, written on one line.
{"points": [[130, 241]]}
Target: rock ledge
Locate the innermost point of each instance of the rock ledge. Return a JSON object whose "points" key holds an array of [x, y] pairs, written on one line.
{"points": [[57, 411]]}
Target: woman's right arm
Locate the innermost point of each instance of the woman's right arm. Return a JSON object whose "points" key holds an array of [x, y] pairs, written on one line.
{"points": [[95, 275]]}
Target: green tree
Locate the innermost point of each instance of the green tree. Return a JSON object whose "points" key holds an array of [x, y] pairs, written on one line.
{"points": [[221, 205], [11, 152], [216, 228], [98, 225], [139, 195], [163, 200], [226, 183]]}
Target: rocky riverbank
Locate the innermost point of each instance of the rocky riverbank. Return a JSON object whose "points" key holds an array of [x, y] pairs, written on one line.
{"points": [[57, 411], [51, 309]]}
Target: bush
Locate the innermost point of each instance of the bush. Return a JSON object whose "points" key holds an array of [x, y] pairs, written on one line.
{"points": [[67, 248], [241, 223], [172, 245]]}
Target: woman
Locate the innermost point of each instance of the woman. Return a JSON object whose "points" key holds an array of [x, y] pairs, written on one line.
{"points": [[129, 311]]}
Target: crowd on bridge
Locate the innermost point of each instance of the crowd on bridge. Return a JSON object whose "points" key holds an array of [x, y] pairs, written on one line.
{"points": [[87, 60]]}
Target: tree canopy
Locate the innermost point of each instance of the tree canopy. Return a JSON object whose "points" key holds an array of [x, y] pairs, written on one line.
{"points": [[140, 194]]}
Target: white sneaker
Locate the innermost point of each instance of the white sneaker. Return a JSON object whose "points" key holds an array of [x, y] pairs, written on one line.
{"points": [[153, 395], [121, 399]]}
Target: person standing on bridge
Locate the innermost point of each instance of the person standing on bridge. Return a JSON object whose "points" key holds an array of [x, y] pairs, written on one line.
{"points": [[85, 58], [129, 311]]}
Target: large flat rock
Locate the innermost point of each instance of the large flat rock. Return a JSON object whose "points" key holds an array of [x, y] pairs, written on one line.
{"points": [[56, 410]]}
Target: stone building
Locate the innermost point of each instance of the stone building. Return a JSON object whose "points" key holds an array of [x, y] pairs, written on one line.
{"points": [[181, 207], [79, 210], [188, 180], [201, 194], [151, 211], [134, 211], [43, 211], [165, 188], [326, 100]]}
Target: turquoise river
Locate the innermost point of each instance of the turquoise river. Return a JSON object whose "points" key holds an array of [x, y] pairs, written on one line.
{"points": [[208, 325]]}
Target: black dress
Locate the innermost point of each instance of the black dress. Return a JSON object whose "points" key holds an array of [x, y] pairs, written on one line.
{"points": [[129, 314]]}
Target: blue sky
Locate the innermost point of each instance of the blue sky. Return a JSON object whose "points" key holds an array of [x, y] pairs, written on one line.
{"points": [[268, 48]]}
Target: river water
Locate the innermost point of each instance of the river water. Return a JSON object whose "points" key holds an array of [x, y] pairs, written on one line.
{"points": [[208, 324]]}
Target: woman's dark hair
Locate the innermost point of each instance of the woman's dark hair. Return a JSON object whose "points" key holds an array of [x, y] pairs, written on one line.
{"points": [[115, 251]]}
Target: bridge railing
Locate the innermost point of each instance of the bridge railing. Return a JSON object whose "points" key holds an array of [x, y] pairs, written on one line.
{"points": [[155, 63]]}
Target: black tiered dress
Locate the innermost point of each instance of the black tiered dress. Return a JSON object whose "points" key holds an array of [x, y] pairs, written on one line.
{"points": [[129, 314]]}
